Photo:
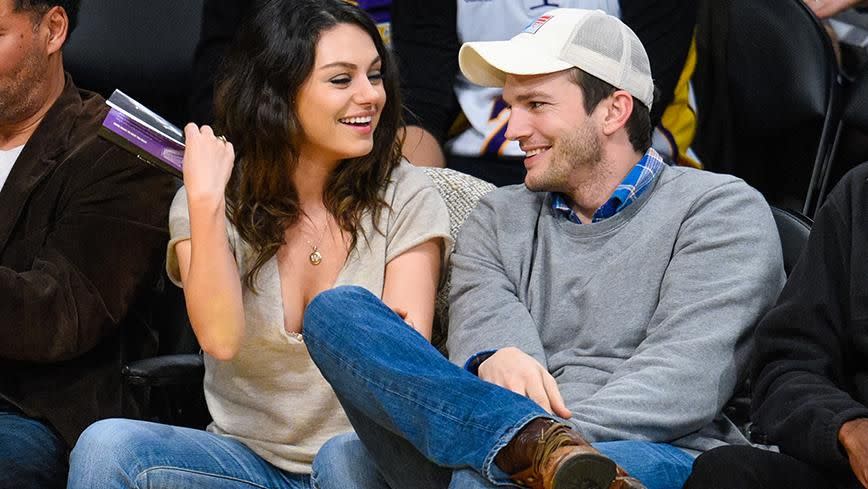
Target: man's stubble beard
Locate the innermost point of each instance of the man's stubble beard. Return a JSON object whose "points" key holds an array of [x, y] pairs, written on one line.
{"points": [[20, 93], [581, 151]]}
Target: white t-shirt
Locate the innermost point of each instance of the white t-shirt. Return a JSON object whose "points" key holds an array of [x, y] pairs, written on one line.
{"points": [[7, 159]]}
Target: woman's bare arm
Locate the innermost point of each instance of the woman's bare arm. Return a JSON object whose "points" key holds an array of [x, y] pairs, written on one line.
{"points": [[212, 286], [411, 284]]}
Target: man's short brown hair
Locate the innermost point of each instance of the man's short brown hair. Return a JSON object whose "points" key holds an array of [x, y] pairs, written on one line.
{"points": [[595, 90]]}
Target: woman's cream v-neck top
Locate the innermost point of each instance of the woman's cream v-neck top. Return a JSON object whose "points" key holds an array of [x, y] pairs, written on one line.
{"points": [[271, 396]]}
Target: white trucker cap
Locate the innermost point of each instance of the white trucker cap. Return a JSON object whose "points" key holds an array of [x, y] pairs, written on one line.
{"points": [[591, 40]]}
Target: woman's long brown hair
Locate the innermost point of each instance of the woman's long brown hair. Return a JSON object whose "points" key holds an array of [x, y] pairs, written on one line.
{"points": [[268, 63]]}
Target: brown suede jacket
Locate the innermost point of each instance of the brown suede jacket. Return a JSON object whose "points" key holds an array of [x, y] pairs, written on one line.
{"points": [[83, 230]]}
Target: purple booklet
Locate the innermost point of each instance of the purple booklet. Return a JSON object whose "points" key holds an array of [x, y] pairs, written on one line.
{"points": [[142, 132]]}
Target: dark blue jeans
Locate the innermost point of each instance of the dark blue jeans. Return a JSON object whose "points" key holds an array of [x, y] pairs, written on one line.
{"points": [[404, 398], [422, 421], [32, 455]]}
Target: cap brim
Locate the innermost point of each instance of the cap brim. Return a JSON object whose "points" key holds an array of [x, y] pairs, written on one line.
{"points": [[488, 63]]}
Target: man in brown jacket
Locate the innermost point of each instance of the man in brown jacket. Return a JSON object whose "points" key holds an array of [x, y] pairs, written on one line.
{"points": [[82, 232]]}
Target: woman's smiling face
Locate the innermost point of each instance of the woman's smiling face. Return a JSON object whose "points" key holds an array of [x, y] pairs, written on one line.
{"points": [[340, 103]]}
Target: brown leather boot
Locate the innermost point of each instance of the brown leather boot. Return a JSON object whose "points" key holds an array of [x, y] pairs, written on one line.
{"points": [[546, 454]]}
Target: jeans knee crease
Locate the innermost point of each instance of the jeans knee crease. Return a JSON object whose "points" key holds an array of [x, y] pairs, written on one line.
{"points": [[357, 372], [143, 476]]}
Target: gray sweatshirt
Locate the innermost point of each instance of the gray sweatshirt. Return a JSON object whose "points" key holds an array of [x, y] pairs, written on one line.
{"points": [[644, 319]]}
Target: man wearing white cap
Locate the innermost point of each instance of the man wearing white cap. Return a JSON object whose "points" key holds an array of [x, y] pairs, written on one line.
{"points": [[608, 300], [456, 123]]}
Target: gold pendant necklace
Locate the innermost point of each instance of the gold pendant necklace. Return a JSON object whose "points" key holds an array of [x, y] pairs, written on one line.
{"points": [[315, 257]]}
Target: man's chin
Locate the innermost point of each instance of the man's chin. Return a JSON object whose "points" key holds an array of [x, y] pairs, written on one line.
{"points": [[535, 185], [537, 182]]}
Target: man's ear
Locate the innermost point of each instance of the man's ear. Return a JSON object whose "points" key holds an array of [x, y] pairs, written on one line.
{"points": [[618, 108], [57, 24]]}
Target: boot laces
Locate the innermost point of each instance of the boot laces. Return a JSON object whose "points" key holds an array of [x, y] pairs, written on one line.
{"points": [[553, 437]]}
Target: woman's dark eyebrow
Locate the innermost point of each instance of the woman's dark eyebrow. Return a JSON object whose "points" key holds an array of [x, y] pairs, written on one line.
{"points": [[347, 64]]}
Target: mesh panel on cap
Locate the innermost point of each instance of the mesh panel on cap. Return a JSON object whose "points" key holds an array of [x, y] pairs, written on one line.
{"points": [[596, 35], [606, 48], [637, 57]]}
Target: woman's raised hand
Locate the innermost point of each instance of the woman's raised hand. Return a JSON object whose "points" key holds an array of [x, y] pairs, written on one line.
{"points": [[208, 161]]}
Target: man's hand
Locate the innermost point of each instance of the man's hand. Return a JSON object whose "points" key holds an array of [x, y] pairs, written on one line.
{"points": [[830, 8], [405, 315], [517, 371], [853, 436]]}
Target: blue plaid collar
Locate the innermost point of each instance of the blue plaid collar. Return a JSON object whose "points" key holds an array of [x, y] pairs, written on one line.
{"points": [[634, 184]]}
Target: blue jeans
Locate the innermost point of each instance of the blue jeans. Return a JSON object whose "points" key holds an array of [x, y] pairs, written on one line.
{"points": [[32, 454], [121, 453], [345, 462], [657, 465], [422, 421]]}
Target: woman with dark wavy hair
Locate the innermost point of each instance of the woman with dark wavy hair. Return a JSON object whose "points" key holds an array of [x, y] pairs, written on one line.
{"points": [[301, 189]]}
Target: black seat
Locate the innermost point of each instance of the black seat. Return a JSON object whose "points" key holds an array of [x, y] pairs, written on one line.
{"points": [[143, 48], [793, 229], [768, 91], [161, 384], [851, 141]]}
